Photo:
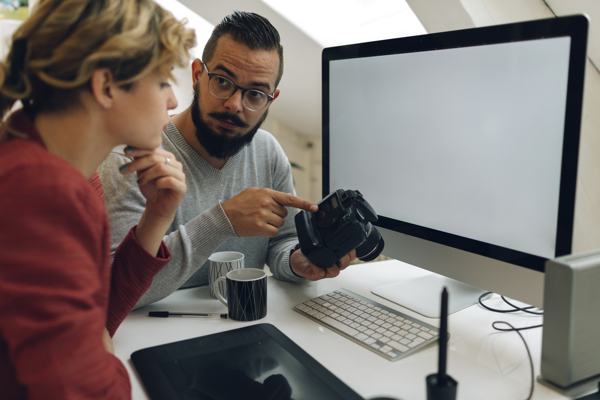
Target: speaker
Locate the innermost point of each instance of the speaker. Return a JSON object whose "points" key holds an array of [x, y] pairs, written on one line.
{"points": [[571, 333]]}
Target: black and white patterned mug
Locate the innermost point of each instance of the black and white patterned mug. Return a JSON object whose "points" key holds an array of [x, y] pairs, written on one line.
{"points": [[246, 293]]}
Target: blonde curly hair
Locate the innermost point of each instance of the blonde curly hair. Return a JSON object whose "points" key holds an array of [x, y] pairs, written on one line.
{"points": [[55, 51]]}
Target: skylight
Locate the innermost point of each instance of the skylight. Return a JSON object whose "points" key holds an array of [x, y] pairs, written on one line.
{"points": [[337, 22]]}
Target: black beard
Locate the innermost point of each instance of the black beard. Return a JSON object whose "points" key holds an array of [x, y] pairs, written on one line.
{"points": [[221, 145]]}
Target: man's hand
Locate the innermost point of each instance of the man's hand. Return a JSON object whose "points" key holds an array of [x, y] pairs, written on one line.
{"points": [[260, 211], [302, 266]]}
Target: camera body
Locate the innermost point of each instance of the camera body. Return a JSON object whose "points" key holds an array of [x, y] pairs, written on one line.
{"points": [[343, 222]]}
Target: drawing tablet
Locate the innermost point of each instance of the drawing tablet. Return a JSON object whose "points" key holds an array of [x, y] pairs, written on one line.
{"points": [[255, 362]]}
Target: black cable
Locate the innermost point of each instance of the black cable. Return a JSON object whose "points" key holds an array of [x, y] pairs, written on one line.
{"points": [[523, 309], [515, 308], [513, 329]]}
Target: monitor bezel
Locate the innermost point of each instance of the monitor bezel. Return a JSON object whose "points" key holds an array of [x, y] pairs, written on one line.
{"points": [[575, 27]]}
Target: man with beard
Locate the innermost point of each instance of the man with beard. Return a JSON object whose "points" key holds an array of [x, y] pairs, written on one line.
{"points": [[239, 179]]}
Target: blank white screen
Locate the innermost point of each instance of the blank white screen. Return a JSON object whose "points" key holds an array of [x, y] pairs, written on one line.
{"points": [[466, 141]]}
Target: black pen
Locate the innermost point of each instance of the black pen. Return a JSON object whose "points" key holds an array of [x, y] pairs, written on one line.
{"points": [[167, 314]]}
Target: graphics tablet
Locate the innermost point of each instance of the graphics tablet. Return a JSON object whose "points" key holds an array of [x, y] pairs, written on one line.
{"points": [[255, 362]]}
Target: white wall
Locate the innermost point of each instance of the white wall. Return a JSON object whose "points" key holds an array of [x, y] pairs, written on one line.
{"points": [[7, 28]]}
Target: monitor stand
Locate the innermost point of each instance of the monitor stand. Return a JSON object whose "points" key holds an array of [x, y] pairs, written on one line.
{"points": [[422, 294]]}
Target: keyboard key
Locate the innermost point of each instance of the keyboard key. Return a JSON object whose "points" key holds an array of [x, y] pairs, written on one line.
{"points": [[398, 346], [336, 324], [425, 335]]}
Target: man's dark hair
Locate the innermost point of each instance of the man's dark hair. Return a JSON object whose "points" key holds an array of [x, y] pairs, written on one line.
{"points": [[249, 29]]}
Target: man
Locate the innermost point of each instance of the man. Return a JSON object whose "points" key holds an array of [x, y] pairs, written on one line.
{"points": [[239, 179]]}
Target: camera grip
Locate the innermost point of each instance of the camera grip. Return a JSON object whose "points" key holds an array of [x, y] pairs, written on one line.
{"points": [[311, 243]]}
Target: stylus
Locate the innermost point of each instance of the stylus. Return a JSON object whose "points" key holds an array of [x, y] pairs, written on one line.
{"points": [[440, 385], [443, 336], [167, 314]]}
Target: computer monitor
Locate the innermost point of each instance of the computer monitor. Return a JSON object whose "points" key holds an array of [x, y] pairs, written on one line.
{"points": [[466, 144]]}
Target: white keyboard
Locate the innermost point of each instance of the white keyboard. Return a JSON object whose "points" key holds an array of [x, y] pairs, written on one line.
{"points": [[385, 331]]}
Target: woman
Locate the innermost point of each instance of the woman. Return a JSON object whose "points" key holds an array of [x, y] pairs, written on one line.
{"points": [[90, 75]]}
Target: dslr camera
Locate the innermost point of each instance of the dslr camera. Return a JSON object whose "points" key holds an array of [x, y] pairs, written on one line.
{"points": [[343, 222]]}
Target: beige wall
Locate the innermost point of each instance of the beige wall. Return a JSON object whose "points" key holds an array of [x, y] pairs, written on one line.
{"points": [[587, 210], [301, 151]]}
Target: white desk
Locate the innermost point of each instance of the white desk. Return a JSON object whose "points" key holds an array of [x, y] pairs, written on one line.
{"points": [[487, 364]]}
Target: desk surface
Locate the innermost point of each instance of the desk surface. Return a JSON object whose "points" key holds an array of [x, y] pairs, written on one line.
{"points": [[487, 364]]}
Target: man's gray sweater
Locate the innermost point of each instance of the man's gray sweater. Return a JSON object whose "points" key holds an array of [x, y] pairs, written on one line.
{"points": [[201, 226]]}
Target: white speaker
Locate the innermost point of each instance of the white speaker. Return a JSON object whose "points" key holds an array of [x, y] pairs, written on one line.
{"points": [[571, 332]]}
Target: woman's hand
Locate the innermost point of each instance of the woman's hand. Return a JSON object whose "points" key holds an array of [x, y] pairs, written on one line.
{"points": [[162, 182], [161, 179]]}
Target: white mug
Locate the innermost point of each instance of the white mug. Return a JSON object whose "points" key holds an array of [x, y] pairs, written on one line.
{"points": [[220, 264]]}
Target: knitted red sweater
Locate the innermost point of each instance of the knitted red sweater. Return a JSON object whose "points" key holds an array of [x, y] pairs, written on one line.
{"points": [[57, 288]]}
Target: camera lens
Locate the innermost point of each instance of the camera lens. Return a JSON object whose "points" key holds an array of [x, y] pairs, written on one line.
{"points": [[372, 246]]}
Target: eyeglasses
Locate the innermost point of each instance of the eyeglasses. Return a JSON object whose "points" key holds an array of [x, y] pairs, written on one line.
{"points": [[223, 88]]}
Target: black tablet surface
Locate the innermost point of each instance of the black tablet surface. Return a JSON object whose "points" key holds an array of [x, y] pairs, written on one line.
{"points": [[255, 362]]}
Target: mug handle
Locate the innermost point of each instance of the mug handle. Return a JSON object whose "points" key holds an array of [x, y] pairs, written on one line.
{"points": [[217, 292]]}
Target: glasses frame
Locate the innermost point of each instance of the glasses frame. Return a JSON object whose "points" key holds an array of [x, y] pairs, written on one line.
{"points": [[242, 89]]}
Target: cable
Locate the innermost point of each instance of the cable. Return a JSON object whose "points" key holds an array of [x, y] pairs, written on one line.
{"points": [[513, 329], [524, 309], [514, 308], [497, 326]]}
